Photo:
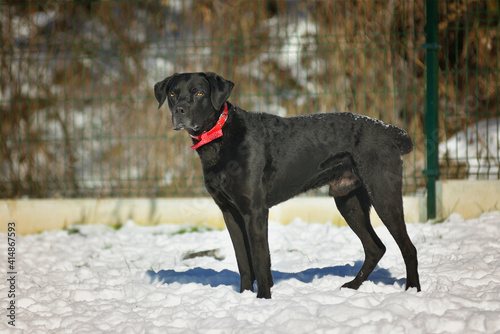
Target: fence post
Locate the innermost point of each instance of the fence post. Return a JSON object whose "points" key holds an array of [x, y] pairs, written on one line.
{"points": [[431, 117]]}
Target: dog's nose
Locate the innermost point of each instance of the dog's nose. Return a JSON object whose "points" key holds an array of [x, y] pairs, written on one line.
{"points": [[179, 110]]}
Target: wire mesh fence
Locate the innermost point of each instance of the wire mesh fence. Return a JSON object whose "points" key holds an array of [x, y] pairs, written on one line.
{"points": [[469, 88], [79, 119]]}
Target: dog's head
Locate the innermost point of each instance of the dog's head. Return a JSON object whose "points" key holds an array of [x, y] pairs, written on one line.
{"points": [[195, 99]]}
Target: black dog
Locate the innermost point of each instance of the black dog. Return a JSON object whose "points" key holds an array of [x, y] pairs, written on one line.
{"points": [[253, 161]]}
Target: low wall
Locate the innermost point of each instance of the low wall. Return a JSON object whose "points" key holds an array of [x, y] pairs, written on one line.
{"points": [[469, 198]]}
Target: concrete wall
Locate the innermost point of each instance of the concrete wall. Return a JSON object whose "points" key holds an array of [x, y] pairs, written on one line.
{"points": [[469, 198]]}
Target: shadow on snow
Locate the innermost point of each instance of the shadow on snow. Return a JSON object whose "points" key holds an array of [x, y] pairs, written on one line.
{"points": [[231, 278]]}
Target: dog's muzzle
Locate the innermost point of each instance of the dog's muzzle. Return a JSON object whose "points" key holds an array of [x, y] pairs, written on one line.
{"points": [[181, 119]]}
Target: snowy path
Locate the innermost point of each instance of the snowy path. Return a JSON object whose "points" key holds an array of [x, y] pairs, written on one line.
{"points": [[99, 280]]}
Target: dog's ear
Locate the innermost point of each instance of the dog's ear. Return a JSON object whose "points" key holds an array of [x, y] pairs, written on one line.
{"points": [[220, 89], [161, 89]]}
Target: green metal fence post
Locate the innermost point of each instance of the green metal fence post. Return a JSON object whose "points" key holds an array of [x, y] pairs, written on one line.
{"points": [[431, 118]]}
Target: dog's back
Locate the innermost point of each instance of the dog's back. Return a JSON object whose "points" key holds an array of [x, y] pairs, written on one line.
{"points": [[331, 133], [305, 152]]}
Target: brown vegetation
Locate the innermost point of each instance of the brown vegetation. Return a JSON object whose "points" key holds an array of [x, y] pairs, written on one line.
{"points": [[78, 117]]}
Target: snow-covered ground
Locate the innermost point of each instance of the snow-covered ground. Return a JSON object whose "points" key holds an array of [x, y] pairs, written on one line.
{"points": [[478, 147], [135, 280]]}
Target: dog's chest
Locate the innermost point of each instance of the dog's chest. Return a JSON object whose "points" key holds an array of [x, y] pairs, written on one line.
{"points": [[210, 156]]}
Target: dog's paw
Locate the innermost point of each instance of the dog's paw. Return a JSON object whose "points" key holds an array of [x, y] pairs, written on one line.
{"points": [[354, 284], [410, 286], [264, 294]]}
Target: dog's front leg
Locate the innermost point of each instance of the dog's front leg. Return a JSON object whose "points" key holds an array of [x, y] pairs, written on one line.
{"points": [[257, 229], [236, 228]]}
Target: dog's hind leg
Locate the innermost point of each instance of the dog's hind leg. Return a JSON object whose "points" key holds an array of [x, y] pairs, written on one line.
{"points": [[386, 197], [355, 208]]}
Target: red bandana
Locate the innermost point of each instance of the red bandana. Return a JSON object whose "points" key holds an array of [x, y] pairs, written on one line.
{"points": [[214, 133]]}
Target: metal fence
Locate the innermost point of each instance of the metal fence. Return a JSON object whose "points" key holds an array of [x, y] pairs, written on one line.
{"points": [[78, 117]]}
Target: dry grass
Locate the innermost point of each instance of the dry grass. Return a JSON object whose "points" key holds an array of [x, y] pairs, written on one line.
{"points": [[78, 117]]}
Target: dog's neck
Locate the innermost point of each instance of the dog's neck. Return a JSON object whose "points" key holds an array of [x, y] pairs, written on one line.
{"points": [[215, 132]]}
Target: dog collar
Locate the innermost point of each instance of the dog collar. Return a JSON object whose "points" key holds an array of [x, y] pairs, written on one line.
{"points": [[214, 133]]}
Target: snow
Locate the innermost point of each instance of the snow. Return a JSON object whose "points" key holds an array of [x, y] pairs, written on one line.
{"points": [[137, 279], [290, 49], [478, 147]]}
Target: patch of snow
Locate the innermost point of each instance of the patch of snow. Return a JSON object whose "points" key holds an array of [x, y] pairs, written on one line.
{"points": [[41, 19], [169, 176], [478, 147], [370, 119], [295, 42], [20, 28], [276, 109], [97, 279], [179, 5]]}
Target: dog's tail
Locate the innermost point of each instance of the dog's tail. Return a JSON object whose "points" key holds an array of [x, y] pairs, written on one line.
{"points": [[403, 140]]}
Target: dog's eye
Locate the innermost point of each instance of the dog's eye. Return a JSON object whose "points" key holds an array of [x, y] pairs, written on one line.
{"points": [[199, 94], [172, 94]]}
